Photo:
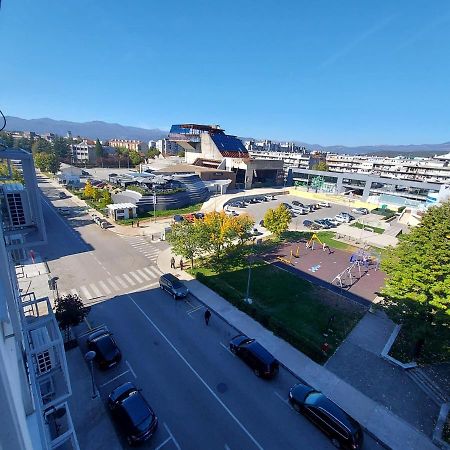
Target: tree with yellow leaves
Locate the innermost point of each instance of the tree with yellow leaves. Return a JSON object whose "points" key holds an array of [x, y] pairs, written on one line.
{"points": [[88, 190]]}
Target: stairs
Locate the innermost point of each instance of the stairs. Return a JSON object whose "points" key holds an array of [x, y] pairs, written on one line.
{"points": [[427, 385]]}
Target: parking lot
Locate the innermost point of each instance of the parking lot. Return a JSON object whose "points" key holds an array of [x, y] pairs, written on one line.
{"points": [[257, 210]]}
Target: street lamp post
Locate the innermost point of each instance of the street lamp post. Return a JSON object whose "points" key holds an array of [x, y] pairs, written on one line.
{"points": [[89, 358], [154, 203]]}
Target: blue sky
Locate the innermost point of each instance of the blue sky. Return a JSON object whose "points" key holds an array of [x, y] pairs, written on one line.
{"points": [[348, 72]]}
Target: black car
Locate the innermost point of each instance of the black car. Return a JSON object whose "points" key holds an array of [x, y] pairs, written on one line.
{"points": [[132, 412], [311, 225], [173, 286], [287, 205], [255, 355], [107, 353], [297, 203], [344, 431], [177, 218], [199, 215]]}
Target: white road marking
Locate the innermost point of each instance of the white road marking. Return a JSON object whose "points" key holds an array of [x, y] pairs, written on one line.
{"points": [[114, 285], [131, 370], [163, 444], [96, 290], [85, 292], [171, 435], [211, 391], [127, 278], [284, 400], [122, 283], [195, 309], [114, 379], [143, 275], [154, 271], [104, 287], [152, 275], [227, 349], [135, 276]]}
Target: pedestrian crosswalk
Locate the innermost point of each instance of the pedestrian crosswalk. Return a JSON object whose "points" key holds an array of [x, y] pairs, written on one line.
{"points": [[144, 246], [116, 283]]}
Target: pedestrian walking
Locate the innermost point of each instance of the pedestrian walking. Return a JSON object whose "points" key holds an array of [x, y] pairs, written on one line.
{"points": [[172, 263], [132, 223], [207, 316], [181, 264]]}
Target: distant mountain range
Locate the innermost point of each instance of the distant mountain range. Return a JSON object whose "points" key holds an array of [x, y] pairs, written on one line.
{"points": [[92, 130], [104, 131]]}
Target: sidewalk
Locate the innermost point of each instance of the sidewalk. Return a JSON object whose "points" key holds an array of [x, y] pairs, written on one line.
{"points": [[393, 431], [90, 418]]}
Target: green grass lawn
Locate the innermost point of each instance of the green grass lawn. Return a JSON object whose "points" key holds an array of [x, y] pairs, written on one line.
{"points": [[295, 309], [363, 226], [436, 347], [143, 217]]}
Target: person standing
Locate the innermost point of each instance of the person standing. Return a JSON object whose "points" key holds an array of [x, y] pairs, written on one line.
{"points": [[132, 223], [181, 264], [207, 316], [172, 263]]}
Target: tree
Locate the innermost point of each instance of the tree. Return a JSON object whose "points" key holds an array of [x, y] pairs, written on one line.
{"points": [[321, 165], [24, 143], [88, 190], [121, 151], [47, 162], [153, 153], [417, 287], [219, 231], [69, 312], [41, 146], [16, 175], [242, 225], [135, 158], [61, 147], [7, 139], [99, 152], [96, 194], [277, 220], [107, 200], [187, 239]]}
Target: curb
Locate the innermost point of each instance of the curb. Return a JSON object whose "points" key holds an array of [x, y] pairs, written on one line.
{"points": [[372, 435]]}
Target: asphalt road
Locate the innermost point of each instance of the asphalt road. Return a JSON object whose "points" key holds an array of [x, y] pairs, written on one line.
{"points": [[204, 396]]}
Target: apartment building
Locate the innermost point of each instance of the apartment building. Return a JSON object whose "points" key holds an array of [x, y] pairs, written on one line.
{"points": [[129, 144], [167, 148], [83, 152], [34, 381]]}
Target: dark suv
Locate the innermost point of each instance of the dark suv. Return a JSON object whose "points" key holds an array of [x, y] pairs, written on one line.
{"points": [[255, 355], [173, 286], [132, 412], [344, 431]]}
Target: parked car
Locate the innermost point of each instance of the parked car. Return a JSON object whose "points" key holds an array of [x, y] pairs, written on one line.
{"points": [[287, 205], [344, 217], [64, 211], [133, 413], [199, 215], [301, 211], [62, 195], [311, 225], [331, 222], [315, 206], [360, 211], [344, 431], [171, 284], [189, 217], [255, 356], [104, 224], [324, 204], [177, 218], [297, 203], [309, 208], [107, 353], [322, 223], [231, 212], [268, 198]]}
